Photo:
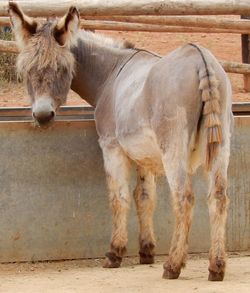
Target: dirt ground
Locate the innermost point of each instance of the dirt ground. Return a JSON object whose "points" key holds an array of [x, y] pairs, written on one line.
{"points": [[223, 46], [88, 276]]}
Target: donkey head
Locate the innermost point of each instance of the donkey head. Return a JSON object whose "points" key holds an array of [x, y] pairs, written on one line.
{"points": [[45, 61]]}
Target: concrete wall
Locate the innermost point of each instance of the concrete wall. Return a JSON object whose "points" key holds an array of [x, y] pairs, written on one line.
{"points": [[53, 199]]}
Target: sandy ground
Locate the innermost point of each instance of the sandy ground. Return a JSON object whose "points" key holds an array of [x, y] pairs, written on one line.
{"points": [[88, 276]]}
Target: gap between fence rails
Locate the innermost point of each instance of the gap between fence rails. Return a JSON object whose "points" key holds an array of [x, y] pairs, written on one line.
{"points": [[231, 67]]}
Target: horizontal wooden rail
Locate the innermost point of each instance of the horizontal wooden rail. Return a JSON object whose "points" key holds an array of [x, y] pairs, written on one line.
{"points": [[4, 21], [240, 25], [8, 46], [190, 21], [4, 7], [131, 7], [235, 67], [124, 26]]}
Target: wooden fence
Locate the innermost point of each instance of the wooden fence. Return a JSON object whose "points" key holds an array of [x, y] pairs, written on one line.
{"points": [[176, 16]]}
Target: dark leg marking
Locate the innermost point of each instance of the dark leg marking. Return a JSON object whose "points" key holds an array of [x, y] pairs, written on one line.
{"points": [[217, 270], [146, 252], [114, 257], [169, 272]]}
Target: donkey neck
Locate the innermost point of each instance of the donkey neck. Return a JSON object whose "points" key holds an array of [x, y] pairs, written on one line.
{"points": [[95, 65]]}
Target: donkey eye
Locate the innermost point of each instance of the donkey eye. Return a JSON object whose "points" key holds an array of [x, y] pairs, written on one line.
{"points": [[61, 70]]}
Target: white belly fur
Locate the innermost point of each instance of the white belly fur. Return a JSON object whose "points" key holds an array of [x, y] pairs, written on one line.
{"points": [[142, 147]]}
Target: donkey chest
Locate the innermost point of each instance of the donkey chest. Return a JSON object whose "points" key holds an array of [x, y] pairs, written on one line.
{"points": [[142, 147]]}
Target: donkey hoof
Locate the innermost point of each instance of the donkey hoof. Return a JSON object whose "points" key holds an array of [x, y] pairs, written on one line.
{"points": [[146, 252], [216, 269], [215, 276], [109, 264], [146, 259], [112, 260], [169, 274]]}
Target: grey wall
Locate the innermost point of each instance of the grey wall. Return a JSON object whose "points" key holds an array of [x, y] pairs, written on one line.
{"points": [[53, 199]]}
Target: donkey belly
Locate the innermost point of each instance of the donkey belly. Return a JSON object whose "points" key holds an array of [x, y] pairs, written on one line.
{"points": [[142, 147]]}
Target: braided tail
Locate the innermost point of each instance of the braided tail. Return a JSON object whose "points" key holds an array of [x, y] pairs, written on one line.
{"points": [[211, 109]]}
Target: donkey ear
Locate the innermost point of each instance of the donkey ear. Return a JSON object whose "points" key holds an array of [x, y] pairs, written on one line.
{"points": [[67, 26], [23, 26]]}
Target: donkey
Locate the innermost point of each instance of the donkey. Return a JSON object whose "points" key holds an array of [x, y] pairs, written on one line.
{"points": [[169, 115]]}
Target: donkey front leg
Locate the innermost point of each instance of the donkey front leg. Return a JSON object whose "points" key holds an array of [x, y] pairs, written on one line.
{"points": [[144, 195], [183, 201], [117, 168], [218, 203]]}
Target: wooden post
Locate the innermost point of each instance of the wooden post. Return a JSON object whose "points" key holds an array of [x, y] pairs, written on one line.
{"points": [[245, 49]]}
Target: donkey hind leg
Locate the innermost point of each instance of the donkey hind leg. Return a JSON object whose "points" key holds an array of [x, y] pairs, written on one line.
{"points": [[117, 170], [144, 196], [217, 204], [183, 200]]}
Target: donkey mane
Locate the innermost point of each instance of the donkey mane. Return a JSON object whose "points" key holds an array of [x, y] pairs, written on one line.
{"points": [[104, 41]]}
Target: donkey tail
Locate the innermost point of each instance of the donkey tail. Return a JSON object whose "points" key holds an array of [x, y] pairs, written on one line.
{"points": [[211, 109]]}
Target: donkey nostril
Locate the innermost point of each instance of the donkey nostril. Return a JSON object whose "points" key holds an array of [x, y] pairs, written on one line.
{"points": [[43, 118], [52, 114]]}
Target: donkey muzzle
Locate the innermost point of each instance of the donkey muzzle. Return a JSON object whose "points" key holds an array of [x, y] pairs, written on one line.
{"points": [[43, 111]]}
